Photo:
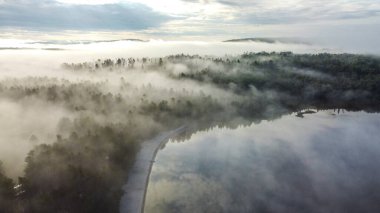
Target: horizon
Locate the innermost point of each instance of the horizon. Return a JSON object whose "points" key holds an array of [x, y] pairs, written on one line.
{"points": [[92, 91], [344, 24]]}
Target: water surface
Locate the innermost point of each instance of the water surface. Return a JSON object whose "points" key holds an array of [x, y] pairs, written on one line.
{"points": [[324, 162]]}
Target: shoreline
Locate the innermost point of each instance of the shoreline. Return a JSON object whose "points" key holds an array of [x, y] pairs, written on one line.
{"points": [[133, 199]]}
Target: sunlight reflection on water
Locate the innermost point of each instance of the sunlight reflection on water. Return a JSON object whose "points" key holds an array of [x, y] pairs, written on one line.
{"points": [[319, 163]]}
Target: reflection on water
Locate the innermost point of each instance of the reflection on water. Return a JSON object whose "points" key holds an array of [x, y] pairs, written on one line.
{"points": [[319, 163]]}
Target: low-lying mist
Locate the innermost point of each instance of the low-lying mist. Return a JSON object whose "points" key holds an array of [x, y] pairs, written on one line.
{"points": [[23, 125], [74, 119]]}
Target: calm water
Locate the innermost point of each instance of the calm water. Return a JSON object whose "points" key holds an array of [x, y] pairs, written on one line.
{"points": [[319, 163]]}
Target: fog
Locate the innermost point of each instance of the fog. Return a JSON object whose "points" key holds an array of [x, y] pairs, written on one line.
{"points": [[33, 65], [73, 115], [45, 58], [24, 125], [25, 117], [34, 59], [153, 48]]}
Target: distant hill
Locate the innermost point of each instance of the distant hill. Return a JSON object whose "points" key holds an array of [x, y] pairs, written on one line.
{"points": [[270, 40]]}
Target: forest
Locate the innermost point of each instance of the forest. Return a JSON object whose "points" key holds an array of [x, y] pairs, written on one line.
{"points": [[109, 106]]}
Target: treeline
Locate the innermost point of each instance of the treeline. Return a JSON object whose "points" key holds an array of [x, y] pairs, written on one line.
{"points": [[344, 80], [318, 76], [84, 169], [112, 64]]}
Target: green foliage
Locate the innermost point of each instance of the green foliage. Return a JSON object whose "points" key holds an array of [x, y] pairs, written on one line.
{"points": [[78, 174]]}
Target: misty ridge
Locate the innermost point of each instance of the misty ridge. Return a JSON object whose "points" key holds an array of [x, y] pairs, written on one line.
{"points": [[72, 136]]}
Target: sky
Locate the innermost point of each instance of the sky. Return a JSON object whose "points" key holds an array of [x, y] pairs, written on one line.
{"points": [[352, 21]]}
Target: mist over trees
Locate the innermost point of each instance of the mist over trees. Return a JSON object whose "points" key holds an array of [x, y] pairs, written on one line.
{"points": [[7, 194], [115, 104]]}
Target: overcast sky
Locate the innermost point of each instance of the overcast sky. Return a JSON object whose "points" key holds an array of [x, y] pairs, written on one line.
{"points": [[193, 19]]}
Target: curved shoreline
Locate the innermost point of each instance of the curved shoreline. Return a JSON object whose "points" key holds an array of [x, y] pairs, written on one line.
{"points": [[135, 189]]}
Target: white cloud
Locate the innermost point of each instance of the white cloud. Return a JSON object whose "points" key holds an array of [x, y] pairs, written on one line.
{"points": [[90, 2], [48, 15], [219, 19]]}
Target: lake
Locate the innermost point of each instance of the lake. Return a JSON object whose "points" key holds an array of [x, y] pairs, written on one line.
{"points": [[323, 162]]}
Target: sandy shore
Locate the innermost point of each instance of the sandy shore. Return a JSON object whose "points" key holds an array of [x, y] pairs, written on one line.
{"points": [[137, 183]]}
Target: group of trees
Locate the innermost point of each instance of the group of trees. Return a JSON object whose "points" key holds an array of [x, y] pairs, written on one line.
{"points": [[316, 80], [86, 166], [7, 193], [80, 173], [119, 63], [84, 169]]}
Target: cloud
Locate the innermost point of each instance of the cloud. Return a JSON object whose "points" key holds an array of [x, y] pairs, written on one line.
{"points": [[297, 11], [193, 19], [53, 15], [294, 11]]}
